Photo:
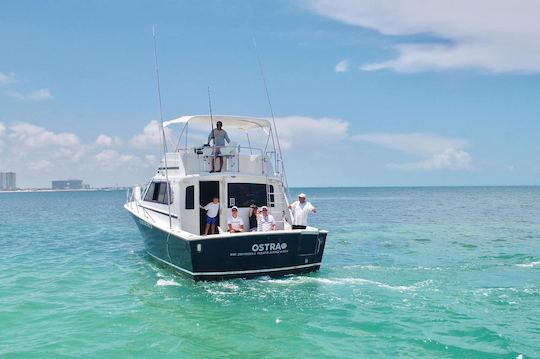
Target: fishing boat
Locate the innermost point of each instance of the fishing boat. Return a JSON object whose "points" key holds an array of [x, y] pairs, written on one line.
{"points": [[168, 210]]}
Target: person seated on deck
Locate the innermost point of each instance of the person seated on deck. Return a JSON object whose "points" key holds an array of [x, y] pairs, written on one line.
{"points": [[265, 221], [253, 213], [219, 135], [235, 222], [212, 211]]}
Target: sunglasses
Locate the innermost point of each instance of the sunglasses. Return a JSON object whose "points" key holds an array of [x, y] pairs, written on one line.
{"points": [[234, 210]]}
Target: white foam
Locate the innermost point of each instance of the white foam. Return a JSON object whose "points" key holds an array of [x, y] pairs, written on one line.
{"points": [[529, 265], [229, 285], [167, 283], [350, 281]]}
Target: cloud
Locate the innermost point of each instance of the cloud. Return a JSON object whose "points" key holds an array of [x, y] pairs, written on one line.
{"points": [[439, 153], [42, 166], [449, 159], [38, 95], [37, 155], [150, 137], [7, 79], [493, 35], [107, 141], [300, 131], [342, 66], [37, 137], [412, 143]]}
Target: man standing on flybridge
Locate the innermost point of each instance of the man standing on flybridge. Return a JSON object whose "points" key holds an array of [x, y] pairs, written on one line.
{"points": [[219, 136], [300, 210]]}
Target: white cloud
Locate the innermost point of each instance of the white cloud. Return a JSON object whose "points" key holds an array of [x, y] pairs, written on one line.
{"points": [[413, 143], [449, 159], [42, 166], [107, 141], [150, 137], [7, 79], [495, 35], [299, 131], [39, 155], [342, 66], [437, 152], [37, 137], [38, 95]]}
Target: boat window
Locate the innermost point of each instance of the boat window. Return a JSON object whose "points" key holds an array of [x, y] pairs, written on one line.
{"points": [[150, 191], [190, 197], [157, 192], [242, 194]]}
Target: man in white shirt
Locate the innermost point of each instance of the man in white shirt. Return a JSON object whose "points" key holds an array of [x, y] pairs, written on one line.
{"points": [[300, 210], [265, 221], [212, 210], [235, 222]]}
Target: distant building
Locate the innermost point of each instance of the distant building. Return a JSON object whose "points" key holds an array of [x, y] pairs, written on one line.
{"points": [[67, 184], [8, 180]]}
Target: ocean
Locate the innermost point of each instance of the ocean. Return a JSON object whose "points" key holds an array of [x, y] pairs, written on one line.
{"points": [[431, 272]]}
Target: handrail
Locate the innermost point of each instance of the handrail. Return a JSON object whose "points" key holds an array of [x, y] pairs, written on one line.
{"points": [[237, 155]]}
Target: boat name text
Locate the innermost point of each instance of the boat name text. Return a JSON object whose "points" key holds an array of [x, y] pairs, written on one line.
{"points": [[263, 247]]}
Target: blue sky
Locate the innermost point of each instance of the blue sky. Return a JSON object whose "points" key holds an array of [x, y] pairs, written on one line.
{"points": [[367, 93]]}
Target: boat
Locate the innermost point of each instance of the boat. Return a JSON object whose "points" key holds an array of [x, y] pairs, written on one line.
{"points": [[168, 214]]}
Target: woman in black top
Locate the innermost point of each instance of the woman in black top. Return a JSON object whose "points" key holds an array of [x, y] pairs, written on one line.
{"points": [[253, 217]]}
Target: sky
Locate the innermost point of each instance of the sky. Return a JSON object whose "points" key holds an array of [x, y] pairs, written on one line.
{"points": [[365, 93]]}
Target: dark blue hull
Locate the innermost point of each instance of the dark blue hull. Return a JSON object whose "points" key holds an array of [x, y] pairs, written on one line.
{"points": [[272, 254]]}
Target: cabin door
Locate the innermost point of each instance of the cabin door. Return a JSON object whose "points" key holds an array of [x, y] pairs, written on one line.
{"points": [[207, 191]]}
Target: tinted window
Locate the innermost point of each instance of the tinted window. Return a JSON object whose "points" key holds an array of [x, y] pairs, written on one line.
{"points": [[190, 197], [150, 191], [241, 194], [157, 192]]}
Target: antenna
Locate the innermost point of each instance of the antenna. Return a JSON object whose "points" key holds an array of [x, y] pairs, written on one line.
{"points": [[282, 170], [162, 138]]}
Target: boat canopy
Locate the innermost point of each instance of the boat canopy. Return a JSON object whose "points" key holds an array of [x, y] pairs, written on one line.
{"points": [[229, 122]]}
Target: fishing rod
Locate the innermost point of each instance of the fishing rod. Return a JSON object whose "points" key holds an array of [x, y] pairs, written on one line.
{"points": [[162, 138]]}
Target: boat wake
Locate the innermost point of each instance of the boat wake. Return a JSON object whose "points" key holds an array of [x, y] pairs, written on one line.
{"points": [[529, 265], [351, 281], [167, 283]]}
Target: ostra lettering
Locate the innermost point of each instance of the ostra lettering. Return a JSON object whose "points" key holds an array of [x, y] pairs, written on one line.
{"points": [[264, 247]]}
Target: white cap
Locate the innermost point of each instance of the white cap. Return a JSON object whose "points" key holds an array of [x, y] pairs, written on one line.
{"points": [[264, 207], [234, 207], [303, 195]]}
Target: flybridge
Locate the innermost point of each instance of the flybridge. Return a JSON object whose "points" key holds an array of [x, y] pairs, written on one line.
{"points": [[258, 155]]}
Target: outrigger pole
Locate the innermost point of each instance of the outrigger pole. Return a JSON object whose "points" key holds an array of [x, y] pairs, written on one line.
{"points": [[282, 169], [162, 138], [211, 116], [212, 130]]}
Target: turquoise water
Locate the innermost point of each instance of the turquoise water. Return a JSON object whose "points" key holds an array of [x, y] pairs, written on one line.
{"points": [[407, 272]]}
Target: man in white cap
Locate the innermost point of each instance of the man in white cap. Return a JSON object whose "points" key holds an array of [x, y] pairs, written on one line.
{"points": [[265, 221], [235, 222], [300, 210]]}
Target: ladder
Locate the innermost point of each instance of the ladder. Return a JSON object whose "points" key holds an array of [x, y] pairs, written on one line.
{"points": [[277, 200]]}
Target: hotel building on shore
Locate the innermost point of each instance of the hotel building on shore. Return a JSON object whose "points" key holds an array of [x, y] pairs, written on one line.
{"points": [[67, 184], [8, 180]]}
